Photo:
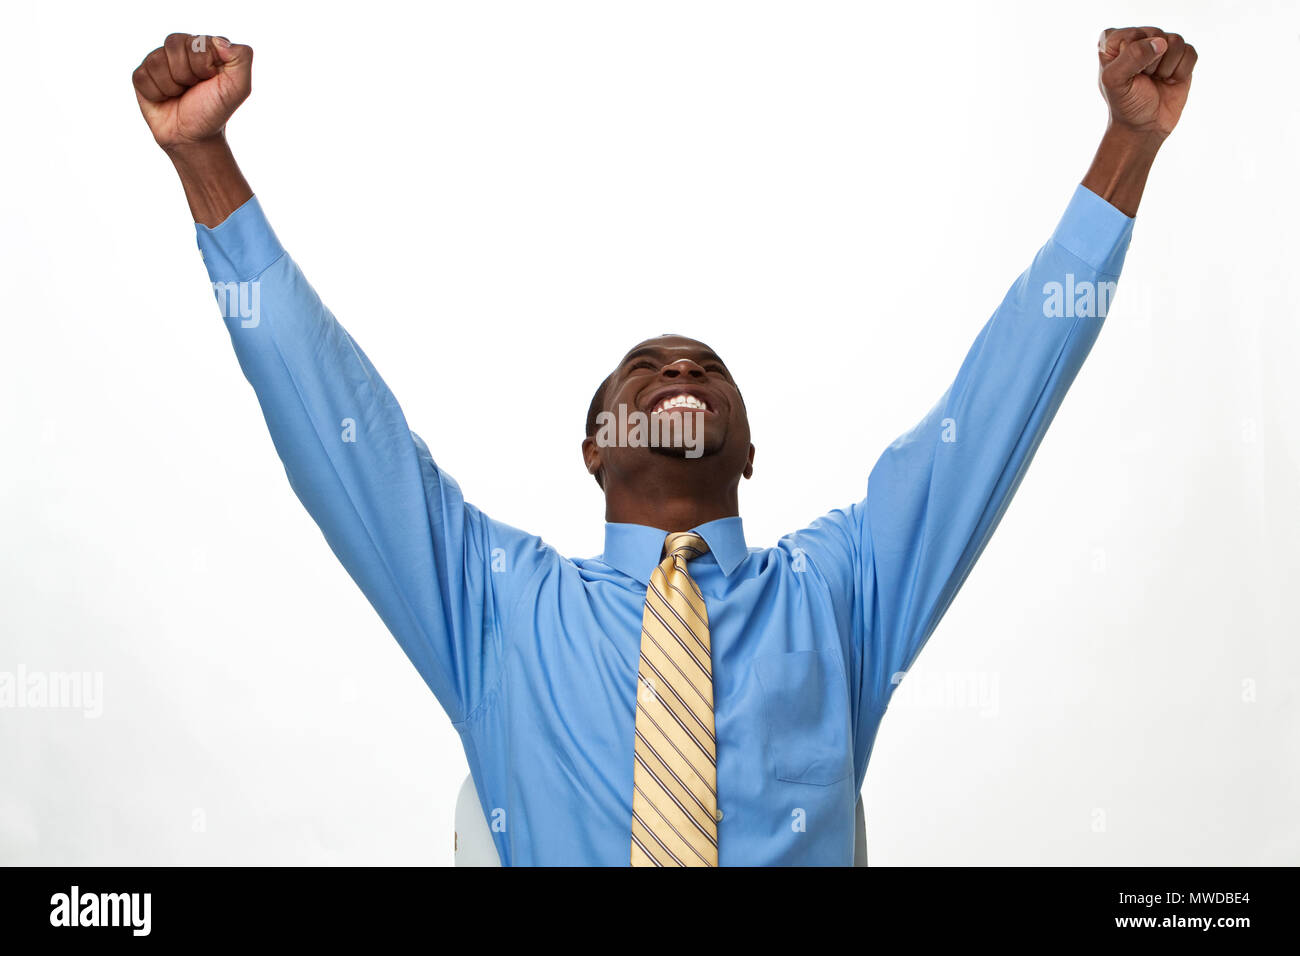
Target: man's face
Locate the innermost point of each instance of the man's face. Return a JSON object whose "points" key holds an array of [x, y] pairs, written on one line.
{"points": [[668, 380]]}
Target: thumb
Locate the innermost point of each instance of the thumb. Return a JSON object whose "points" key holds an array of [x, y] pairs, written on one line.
{"points": [[235, 60], [1134, 58], [232, 55]]}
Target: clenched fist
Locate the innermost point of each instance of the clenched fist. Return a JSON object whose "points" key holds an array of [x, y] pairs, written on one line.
{"points": [[1144, 75], [190, 86]]}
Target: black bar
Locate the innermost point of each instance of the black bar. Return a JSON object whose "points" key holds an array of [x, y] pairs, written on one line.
{"points": [[439, 906]]}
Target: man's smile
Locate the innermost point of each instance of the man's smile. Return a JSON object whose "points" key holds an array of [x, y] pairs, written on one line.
{"points": [[673, 397]]}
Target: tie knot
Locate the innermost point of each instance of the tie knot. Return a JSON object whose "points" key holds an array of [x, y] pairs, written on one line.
{"points": [[684, 545]]}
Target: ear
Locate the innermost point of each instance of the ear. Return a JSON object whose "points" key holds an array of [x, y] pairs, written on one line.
{"points": [[749, 464], [591, 457]]}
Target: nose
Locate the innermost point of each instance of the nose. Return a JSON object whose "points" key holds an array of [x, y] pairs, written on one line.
{"points": [[683, 368]]}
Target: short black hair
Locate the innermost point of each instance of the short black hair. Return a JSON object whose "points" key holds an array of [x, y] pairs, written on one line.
{"points": [[597, 406], [593, 414]]}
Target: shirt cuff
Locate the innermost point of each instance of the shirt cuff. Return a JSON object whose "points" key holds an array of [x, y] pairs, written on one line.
{"points": [[241, 247], [1094, 231]]}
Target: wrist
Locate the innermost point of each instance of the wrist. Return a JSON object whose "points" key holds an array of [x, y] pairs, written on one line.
{"points": [[213, 183], [1133, 141], [1119, 170], [197, 153]]}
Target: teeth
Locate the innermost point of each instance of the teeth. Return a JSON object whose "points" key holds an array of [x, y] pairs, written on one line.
{"points": [[680, 401]]}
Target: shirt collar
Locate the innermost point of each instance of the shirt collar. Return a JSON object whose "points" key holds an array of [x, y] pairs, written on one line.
{"points": [[635, 549]]}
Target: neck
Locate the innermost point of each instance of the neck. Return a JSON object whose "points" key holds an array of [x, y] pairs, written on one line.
{"points": [[669, 509]]}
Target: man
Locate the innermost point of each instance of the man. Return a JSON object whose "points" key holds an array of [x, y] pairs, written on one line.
{"points": [[683, 699]]}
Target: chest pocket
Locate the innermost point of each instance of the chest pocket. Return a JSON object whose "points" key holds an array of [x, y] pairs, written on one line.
{"points": [[806, 716]]}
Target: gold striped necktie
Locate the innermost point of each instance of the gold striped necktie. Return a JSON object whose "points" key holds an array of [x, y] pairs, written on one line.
{"points": [[674, 773]]}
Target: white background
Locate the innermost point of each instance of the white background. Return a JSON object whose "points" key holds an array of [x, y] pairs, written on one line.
{"points": [[497, 199]]}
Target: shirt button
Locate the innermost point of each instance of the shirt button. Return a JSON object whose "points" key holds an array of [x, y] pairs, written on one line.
{"points": [[717, 814]]}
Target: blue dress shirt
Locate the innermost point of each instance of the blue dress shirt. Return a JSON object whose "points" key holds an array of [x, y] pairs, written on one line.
{"points": [[534, 655]]}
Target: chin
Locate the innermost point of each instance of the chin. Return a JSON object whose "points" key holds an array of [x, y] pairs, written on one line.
{"points": [[685, 454]]}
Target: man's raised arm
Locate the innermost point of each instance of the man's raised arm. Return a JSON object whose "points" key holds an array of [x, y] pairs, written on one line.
{"points": [[937, 493], [422, 556]]}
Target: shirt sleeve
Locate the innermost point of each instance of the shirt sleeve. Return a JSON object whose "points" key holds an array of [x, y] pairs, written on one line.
{"points": [[438, 571], [938, 492]]}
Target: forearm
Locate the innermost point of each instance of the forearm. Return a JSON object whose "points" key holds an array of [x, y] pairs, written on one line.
{"points": [[1119, 170], [213, 183]]}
